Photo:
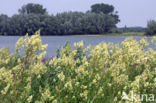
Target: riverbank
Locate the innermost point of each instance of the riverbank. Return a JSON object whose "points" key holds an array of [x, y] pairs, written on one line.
{"points": [[107, 34], [114, 34]]}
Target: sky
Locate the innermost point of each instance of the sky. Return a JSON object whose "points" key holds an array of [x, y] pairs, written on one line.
{"points": [[131, 12]]}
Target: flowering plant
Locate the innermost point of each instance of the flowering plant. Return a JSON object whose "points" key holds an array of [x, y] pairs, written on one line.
{"points": [[76, 75]]}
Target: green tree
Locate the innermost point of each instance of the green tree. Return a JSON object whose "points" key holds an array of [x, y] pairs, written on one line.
{"points": [[48, 25], [22, 24], [105, 9], [4, 24], [94, 23], [69, 22], [16, 25], [102, 8], [31, 17], [32, 9], [151, 27]]}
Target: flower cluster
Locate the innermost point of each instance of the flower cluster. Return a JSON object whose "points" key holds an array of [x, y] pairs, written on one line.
{"points": [[78, 74]]}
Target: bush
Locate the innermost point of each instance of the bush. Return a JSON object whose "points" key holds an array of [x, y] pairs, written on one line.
{"points": [[74, 76]]}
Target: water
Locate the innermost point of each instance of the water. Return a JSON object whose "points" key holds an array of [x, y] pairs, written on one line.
{"points": [[54, 42]]}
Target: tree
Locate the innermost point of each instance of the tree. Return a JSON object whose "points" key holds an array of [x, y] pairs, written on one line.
{"points": [[16, 25], [102, 8], [48, 25], [4, 24], [69, 22], [93, 23], [105, 9], [151, 27], [32, 9], [32, 17]]}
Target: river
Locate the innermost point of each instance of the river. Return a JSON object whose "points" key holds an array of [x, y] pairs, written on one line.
{"points": [[55, 42]]}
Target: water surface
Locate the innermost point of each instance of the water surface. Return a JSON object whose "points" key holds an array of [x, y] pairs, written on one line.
{"points": [[54, 42]]}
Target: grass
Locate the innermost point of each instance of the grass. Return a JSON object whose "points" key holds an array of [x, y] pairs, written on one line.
{"points": [[116, 34], [127, 34]]}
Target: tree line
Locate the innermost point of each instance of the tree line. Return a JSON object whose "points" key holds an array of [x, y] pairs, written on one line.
{"points": [[101, 18], [132, 29]]}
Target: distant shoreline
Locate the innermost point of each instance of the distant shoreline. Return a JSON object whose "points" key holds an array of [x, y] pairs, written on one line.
{"points": [[108, 34]]}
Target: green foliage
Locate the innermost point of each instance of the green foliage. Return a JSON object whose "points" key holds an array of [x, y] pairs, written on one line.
{"points": [[4, 24], [31, 8], [133, 29], [93, 23], [105, 9], [102, 8], [151, 27], [33, 17], [77, 75]]}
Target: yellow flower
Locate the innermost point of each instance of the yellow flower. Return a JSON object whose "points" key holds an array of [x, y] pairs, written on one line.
{"points": [[77, 83], [19, 43], [69, 85], [5, 89], [94, 81], [44, 47], [29, 99], [61, 76], [84, 87], [79, 44]]}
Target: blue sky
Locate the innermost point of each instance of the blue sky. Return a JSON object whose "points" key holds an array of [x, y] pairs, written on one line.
{"points": [[131, 12]]}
